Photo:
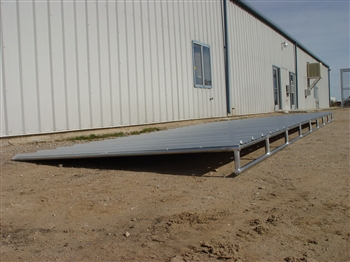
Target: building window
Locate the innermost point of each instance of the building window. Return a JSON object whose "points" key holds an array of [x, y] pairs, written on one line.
{"points": [[201, 65]]}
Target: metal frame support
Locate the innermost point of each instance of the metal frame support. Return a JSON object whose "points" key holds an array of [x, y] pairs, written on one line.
{"points": [[267, 146], [237, 161], [342, 87], [237, 151], [314, 82]]}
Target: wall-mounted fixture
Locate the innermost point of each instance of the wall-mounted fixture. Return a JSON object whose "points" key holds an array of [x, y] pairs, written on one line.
{"points": [[284, 44], [307, 92], [290, 89], [314, 71]]}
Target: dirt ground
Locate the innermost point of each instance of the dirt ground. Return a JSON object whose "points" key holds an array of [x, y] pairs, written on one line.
{"points": [[294, 206]]}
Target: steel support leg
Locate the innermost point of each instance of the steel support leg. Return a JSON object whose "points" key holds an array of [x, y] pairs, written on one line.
{"points": [[237, 161], [267, 146]]}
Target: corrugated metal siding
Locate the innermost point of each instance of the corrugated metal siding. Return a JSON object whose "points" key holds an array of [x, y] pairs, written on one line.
{"points": [[70, 65], [254, 49], [309, 101]]}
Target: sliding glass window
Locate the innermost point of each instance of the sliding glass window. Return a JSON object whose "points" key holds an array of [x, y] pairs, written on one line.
{"points": [[201, 65]]}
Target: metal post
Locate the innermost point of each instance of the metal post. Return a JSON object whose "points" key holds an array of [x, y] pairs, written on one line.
{"points": [[344, 87], [286, 137], [267, 146], [237, 160], [300, 131]]}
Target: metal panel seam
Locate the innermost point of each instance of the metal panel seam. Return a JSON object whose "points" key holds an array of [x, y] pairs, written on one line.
{"points": [[77, 64], [20, 66], [36, 67], [127, 62], [51, 67], [109, 64], [99, 61], [88, 60], [3, 88], [119, 64], [64, 65], [143, 65], [136, 67], [151, 60], [166, 91]]}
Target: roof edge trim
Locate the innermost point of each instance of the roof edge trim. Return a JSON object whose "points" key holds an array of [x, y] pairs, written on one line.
{"points": [[267, 21]]}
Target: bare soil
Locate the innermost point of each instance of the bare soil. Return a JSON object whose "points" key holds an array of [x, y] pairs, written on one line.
{"points": [[294, 206]]}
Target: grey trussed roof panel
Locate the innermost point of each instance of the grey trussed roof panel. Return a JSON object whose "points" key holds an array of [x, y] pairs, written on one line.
{"points": [[209, 137]]}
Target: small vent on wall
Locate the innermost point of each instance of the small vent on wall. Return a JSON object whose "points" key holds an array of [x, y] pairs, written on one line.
{"points": [[290, 89], [314, 70], [307, 92]]}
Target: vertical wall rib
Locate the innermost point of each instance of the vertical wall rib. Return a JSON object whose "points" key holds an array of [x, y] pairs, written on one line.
{"points": [[20, 71], [109, 64], [64, 65], [36, 67], [3, 115], [99, 62], [88, 63], [77, 65]]}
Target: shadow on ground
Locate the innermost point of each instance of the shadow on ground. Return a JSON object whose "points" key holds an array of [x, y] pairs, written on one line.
{"points": [[194, 164], [179, 164]]}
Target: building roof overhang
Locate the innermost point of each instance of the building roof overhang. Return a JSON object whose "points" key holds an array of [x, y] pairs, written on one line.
{"points": [[275, 27]]}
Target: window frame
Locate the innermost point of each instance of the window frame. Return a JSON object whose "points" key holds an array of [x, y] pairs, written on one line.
{"points": [[203, 85]]}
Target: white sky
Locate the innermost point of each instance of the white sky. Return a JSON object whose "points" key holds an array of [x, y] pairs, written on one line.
{"points": [[323, 27]]}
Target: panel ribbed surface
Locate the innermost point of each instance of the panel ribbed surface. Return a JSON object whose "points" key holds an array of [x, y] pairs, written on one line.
{"points": [[77, 65], [210, 137]]}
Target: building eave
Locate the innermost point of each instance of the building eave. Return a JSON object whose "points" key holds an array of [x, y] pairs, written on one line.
{"points": [[275, 27]]}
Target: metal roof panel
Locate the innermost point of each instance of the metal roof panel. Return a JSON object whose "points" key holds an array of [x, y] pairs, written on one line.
{"points": [[209, 137]]}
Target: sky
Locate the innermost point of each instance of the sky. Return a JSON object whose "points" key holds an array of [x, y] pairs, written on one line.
{"points": [[323, 27]]}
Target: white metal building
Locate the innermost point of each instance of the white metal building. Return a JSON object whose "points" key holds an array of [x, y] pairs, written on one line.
{"points": [[74, 65]]}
